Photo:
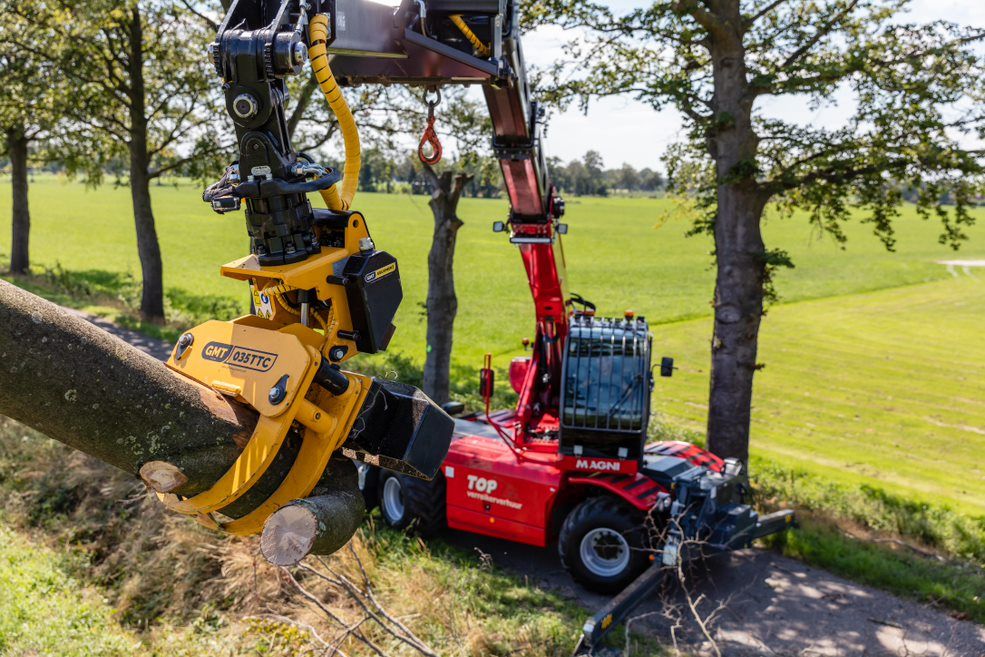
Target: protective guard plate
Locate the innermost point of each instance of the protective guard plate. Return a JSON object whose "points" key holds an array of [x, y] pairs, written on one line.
{"points": [[245, 361]]}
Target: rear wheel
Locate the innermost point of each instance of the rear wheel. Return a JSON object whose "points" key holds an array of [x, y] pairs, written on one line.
{"points": [[412, 504], [601, 544]]}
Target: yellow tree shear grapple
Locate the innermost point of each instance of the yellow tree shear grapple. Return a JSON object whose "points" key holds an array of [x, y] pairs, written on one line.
{"points": [[321, 290]]}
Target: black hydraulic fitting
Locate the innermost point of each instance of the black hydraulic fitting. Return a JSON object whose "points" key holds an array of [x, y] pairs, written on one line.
{"points": [[331, 378]]}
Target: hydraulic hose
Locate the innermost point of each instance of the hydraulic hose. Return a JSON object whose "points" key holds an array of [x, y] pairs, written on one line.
{"points": [[318, 54], [480, 48]]}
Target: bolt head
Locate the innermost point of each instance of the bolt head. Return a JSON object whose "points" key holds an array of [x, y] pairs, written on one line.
{"points": [[276, 395], [245, 106], [366, 245], [300, 53]]}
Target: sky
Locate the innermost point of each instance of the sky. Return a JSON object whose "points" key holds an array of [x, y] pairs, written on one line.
{"points": [[626, 131]]}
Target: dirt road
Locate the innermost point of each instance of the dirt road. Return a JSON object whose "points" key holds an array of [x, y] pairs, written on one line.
{"points": [[770, 605]]}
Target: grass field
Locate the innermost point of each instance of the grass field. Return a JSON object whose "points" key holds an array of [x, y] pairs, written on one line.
{"points": [[869, 415], [874, 360], [884, 387]]}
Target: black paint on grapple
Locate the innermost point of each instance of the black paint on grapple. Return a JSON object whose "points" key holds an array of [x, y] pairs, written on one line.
{"points": [[399, 428]]}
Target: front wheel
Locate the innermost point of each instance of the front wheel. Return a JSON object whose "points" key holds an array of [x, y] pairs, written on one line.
{"points": [[601, 544], [412, 504]]}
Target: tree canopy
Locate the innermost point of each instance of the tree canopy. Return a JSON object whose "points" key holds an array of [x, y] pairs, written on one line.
{"points": [[915, 104]]}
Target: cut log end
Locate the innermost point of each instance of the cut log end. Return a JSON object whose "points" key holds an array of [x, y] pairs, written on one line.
{"points": [[162, 477], [314, 525], [288, 535]]}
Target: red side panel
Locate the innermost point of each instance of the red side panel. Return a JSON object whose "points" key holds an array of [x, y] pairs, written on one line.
{"points": [[491, 493], [638, 490], [588, 464]]}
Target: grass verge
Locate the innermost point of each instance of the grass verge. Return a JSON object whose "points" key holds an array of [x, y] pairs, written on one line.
{"points": [[929, 553], [163, 577]]}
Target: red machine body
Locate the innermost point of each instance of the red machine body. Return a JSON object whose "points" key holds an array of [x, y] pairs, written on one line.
{"points": [[490, 491], [505, 475]]}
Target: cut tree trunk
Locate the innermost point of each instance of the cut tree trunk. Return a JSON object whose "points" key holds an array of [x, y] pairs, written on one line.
{"points": [[90, 390], [442, 302], [20, 261], [148, 248], [739, 250]]}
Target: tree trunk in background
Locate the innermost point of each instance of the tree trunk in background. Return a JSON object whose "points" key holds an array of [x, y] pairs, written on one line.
{"points": [[738, 310], [86, 388], [20, 261], [442, 303], [739, 250], [148, 248]]}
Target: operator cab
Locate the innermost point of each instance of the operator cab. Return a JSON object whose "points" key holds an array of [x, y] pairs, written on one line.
{"points": [[606, 385]]}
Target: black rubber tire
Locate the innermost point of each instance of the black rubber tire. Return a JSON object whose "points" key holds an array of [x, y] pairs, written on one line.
{"points": [[600, 512], [424, 503], [369, 485]]}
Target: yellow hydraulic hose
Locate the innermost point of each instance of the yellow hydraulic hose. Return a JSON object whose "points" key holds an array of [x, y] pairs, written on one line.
{"points": [[480, 48], [318, 54]]}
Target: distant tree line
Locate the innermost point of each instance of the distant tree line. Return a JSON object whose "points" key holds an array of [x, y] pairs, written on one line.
{"points": [[390, 170]]}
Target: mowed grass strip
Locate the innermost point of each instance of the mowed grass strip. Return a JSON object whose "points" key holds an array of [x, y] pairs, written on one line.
{"points": [[621, 253], [885, 387], [43, 611]]}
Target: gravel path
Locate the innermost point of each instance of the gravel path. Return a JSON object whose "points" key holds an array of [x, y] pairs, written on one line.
{"points": [[771, 605]]}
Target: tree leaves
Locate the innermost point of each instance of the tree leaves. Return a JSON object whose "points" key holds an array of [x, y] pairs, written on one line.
{"points": [[918, 93]]}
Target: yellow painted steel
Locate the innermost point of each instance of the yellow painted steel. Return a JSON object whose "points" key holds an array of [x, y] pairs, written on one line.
{"points": [[246, 358], [221, 354], [297, 361], [309, 274], [481, 49], [318, 54], [326, 421], [325, 429]]}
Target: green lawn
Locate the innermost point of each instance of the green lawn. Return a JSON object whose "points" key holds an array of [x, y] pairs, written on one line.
{"points": [[884, 387], [44, 612], [874, 360]]}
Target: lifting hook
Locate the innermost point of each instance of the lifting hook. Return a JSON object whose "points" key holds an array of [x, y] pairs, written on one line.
{"points": [[430, 137]]}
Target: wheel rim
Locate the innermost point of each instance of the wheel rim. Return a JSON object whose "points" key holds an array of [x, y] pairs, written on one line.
{"points": [[605, 552], [393, 499]]}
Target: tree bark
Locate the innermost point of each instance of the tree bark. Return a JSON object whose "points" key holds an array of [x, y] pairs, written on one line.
{"points": [[442, 302], [90, 390], [148, 248], [20, 261], [739, 249]]}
